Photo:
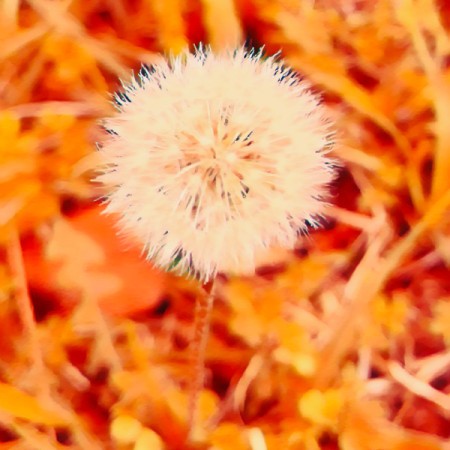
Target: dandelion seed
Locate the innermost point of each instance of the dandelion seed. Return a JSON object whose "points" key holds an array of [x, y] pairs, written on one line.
{"points": [[212, 158]]}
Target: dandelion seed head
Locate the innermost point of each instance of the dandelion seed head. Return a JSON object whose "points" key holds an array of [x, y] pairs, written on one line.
{"points": [[212, 158]]}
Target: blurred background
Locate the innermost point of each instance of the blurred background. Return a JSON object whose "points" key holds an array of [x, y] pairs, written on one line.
{"points": [[340, 344]]}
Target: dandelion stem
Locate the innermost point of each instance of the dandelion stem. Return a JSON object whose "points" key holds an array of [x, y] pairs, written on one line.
{"points": [[203, 309]]}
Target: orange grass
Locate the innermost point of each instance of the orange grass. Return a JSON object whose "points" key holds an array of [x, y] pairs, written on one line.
{"points": [[342, 344]]}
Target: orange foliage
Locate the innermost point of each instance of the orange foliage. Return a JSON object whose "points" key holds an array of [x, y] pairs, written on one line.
{"points": [[343, 343]]}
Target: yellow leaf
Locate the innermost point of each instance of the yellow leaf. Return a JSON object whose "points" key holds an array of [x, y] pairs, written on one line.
{"points": [[224, 29], [9, 128], [228, 436], [125, 429], [322, 408], [148, 440], [170, 24], [23, 406]]}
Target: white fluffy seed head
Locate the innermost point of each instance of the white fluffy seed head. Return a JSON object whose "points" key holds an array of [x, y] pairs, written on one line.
{"points": [[213, 158]]}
